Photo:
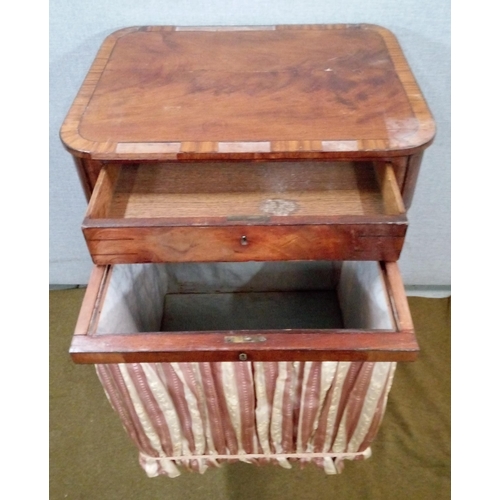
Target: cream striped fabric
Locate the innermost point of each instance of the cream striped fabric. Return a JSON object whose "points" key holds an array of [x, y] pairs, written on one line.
{"points": [[196, 415]]}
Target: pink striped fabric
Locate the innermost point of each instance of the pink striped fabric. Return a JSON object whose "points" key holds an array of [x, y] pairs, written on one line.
{"points": [[196, 415]]}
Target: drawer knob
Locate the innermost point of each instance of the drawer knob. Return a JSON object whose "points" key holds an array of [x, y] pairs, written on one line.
{"points": [[243, 357], [243, 240]]}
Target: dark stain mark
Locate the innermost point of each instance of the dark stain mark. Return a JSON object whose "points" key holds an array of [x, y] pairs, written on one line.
{"points": [[345, 102], [170, 43], [377, 81]]}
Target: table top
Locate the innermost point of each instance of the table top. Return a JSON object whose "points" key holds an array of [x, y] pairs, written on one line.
{"points": [[272, 92]]}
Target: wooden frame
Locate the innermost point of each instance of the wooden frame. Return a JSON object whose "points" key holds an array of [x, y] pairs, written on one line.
{"points": [[214, 212], [294, 345], [320, 93]]}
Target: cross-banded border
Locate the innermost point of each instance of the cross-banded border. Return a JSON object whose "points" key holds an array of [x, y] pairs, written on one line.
{"points": [[403, 138]]}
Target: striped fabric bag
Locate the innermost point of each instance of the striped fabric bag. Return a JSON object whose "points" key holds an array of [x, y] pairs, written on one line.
{"points": [[197, 415]]}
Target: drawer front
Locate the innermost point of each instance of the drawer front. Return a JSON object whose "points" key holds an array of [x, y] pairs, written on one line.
{"points": [[244, 243], [126, 315]]}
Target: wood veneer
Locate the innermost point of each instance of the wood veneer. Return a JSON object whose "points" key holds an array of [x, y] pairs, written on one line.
{"points": [[163, 93], [205, 144], [227, 212]]}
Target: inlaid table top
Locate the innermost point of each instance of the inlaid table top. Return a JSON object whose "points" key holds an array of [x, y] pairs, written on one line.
{"points": [[272, 92]]}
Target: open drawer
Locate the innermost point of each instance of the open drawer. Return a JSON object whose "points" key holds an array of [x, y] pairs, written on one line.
{"points": [[261, 211], [255, 311]]}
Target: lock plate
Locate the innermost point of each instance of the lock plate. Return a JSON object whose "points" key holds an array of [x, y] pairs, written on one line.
{"points": [[243, 339]]}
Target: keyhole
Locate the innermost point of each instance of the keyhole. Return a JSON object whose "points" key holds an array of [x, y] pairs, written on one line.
{"points": [[244, 240]]}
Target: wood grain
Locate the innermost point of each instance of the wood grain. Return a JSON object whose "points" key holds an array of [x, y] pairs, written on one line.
{"points": [[211, 244], [228, 190], [167, 93], [91, 300], [200, 212], [389, 189], [410, 183], [88, 173], [398, 295], [279, 346], [100, 203]]}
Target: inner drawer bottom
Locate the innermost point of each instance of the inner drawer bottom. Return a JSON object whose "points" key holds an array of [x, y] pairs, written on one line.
{"points": [[252, 311]]}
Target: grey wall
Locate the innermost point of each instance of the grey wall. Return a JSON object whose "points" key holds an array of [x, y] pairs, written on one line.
{"points": [[77, 28]]}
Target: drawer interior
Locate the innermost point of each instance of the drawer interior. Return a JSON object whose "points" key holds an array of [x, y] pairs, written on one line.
{"points": [[268, 310], [283, 295], [241, 211], [230, 191]]}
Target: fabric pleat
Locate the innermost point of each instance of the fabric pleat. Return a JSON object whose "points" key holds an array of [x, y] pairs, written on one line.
{"points": [[197, 415]]}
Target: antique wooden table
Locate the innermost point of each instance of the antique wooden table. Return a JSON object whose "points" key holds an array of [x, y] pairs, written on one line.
{"points": [[244, 144]]}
